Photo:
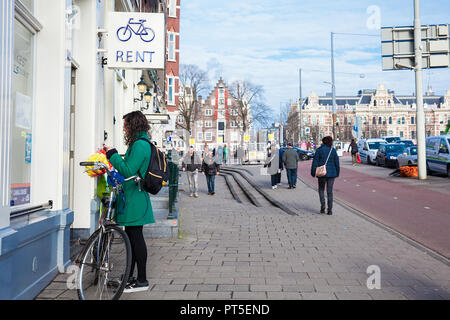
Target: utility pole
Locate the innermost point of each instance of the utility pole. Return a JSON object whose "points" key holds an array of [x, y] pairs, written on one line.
{"points": [[420, 123], [300, 104], [333, 87]]}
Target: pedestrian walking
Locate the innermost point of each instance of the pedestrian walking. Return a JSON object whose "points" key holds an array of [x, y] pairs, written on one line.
{"points": [[290, 160], [210, 169], [192, 164], [135, 210], [273, 166], [354, 150], [326, 158]]}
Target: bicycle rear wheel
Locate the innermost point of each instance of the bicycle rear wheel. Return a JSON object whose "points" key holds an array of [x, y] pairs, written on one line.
{"points": [[105, 265]]}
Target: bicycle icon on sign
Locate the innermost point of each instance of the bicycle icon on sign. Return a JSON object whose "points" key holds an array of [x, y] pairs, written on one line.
{"points": [[124, 33]]}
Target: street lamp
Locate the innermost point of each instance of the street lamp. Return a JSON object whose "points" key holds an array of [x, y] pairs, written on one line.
{"points": [[147, 98], [142, 87]]}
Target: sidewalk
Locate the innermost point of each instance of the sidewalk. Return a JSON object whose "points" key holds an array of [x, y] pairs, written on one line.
{"points": [[406, 205], [233, 251]]}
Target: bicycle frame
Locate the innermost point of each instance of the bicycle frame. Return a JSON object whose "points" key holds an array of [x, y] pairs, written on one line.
{"points": [[112, 199], [141, 28]]}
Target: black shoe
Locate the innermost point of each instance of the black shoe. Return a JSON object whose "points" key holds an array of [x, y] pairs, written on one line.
{"points": [[322, 210], [131, 280], [137, 287], [213, 193], [290, 187], [294, 186], [329, 213]]}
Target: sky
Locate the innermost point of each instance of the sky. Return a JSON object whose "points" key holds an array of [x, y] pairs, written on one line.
{"points": [[267, 42]]}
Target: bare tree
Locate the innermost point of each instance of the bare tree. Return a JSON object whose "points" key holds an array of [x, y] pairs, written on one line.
{"points": [[194, 81], [250, 109]]}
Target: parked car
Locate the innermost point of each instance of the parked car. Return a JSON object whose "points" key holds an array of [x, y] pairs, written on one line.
{"points": [[367, 149], [438, 157], [302, 154], [387, 154], [391, 139], [407, 143], [408, 157]]}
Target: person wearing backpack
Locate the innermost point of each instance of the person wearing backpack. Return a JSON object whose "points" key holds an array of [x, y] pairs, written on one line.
{"points": [[210, 169], [325, 167], [137, 210]]}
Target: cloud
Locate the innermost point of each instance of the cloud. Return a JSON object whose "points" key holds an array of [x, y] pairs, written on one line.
{"points": [[266, 42]]}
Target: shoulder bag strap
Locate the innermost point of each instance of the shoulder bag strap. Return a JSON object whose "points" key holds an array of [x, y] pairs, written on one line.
{"points": [[328, 156]]}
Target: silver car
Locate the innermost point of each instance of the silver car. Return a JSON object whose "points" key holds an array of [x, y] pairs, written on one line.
{"points": [[408, 157]]}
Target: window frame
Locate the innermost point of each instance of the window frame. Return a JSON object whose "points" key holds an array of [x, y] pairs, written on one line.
{"points": [[171, 45], [172, 7]]}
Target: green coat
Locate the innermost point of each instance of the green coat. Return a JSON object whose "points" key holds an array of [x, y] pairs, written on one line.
{"points": [[138, 208]]}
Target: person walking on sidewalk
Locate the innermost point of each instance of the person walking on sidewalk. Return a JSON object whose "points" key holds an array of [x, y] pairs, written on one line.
{"points": [[326, 156], [290, 160], [354, 150], [273, 166], [210, 169], [137, 209], [192, 164], [225, 154]]}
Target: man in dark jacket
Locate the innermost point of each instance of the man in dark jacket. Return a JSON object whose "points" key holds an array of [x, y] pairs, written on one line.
{"points": [[210, 169], [290, 160], [192, 164], [326, 155], [354, 147]]}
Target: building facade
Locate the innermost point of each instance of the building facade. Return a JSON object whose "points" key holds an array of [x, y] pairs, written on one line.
{"points": [[58, 106], [217, 121], [381, 111]]}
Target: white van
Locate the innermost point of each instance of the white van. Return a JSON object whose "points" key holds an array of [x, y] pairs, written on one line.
{"points": [[438, 156], [367, 149]]}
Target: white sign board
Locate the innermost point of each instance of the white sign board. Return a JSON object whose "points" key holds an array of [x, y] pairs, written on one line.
{"points": [[397, 46], [136, 40]]}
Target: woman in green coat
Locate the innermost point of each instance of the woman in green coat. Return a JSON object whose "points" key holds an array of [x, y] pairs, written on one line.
{"points": [[137, 209]]}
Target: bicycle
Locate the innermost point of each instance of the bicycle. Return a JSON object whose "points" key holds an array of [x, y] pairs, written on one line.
{"points": [[105, 260], [147, 34]]}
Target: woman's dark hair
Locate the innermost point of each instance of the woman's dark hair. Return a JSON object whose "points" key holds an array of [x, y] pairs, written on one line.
{"points": [[328, 141], [134, 122]]}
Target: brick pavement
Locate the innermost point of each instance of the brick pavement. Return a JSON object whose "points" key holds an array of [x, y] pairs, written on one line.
{"points": [[237, 251]]}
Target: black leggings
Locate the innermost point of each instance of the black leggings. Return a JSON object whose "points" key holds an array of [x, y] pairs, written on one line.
{"points": [[139, 251]]}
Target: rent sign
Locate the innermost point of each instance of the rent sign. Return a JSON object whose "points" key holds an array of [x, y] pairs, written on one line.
{"points": [[136, 40]]}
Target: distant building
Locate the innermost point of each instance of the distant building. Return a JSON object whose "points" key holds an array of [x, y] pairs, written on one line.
{"points": [[381, 112], [217, 122]]}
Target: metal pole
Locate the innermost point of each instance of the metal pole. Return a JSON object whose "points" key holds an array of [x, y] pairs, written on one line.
{"points": [[420, 123], [333, 87], [300, 103]]}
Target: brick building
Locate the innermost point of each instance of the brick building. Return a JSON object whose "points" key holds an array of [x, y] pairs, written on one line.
{"points": [[382, 112]]}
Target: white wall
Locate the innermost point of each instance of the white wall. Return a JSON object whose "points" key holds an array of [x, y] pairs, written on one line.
{"points": [[48, 125], [86, 115]]}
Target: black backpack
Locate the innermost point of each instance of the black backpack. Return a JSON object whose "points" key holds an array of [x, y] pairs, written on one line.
{"points": [[157, 174]]}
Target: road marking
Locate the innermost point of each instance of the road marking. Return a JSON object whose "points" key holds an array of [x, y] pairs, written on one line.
{"points": [[428, 208], [395, 198]]}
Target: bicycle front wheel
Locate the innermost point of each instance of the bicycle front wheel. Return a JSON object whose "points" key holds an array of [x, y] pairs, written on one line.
{"points": [[105, 265]]}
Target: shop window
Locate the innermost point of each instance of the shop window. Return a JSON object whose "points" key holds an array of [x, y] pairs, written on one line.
{"points": [[22, 94]]}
